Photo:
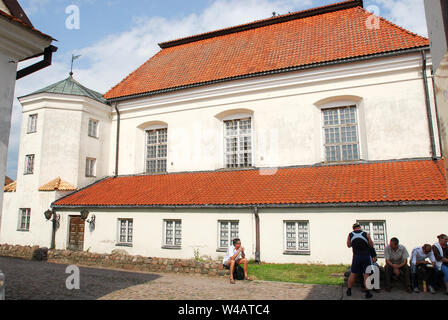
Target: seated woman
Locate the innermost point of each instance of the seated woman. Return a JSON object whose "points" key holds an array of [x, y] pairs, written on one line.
{"points": [[440, 250]]}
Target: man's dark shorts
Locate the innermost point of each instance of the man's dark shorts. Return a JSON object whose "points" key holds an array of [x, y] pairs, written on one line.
{"points": [[360, 264]]}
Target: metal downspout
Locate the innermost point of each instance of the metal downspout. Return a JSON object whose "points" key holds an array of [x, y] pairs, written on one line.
{"points": [[257, 235], [428, 107], [117, 149], [437, 113]]}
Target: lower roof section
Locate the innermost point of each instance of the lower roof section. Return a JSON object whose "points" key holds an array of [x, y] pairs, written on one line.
{"points": [[408, 182]]}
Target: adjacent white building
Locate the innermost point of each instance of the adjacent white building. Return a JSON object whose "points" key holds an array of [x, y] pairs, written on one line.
{"points": [[277, 132], [19, 41]]}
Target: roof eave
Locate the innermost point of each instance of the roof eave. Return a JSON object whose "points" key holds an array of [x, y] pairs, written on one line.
{"points": [[267, 206]]}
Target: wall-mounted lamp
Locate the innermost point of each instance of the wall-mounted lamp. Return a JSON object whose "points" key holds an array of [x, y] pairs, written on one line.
{"points": [[56, 218], [85, 214]]}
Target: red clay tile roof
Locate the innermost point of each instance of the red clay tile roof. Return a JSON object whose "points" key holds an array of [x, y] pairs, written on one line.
{"points": [[8, 180], [57, 185], [404, 181], [12, 187], [326, 34]]}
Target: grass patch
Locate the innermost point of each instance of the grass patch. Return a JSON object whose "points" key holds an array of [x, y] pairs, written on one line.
{"points": [[299, 273]]}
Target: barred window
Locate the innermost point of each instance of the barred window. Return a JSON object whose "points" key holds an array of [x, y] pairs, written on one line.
{"points": [[173, 233], [156, 150], [341, 134], [125, 232], [377, 231], [238, 143], [297, 236], [93, 128], [29, 164], [32, 123], [228, 230], [24, 220]]}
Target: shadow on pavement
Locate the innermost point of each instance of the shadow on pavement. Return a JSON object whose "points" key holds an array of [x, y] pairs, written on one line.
{"points": [[33, 280]]}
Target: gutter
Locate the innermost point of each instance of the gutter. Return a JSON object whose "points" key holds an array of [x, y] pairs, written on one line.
{"points": [[428, 107], [264, 206], [117, 146], [48, 56]]}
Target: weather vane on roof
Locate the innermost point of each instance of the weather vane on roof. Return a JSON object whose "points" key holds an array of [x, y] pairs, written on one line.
{"points": [[73, 59]]}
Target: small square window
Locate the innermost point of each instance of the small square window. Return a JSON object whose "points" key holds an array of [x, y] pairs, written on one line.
{"points": [[93, 128], [297, 237], [32, 123], [90, 167], [172, 233], [24, 220], [29, 164], [125, 231], [227, 232]]}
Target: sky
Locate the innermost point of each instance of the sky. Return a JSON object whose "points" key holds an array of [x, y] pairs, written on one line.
{"points": [[114, 37]]}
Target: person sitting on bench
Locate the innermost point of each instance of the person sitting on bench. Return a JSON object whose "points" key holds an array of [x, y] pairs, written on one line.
{"points": [[236, 256], [440, 250], [397, 256], [419, 265]]}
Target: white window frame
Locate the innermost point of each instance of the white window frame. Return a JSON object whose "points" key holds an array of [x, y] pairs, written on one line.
{"points": [[370, 231], [27, 213], [32, 123], [230, 238], [91, 133], [296, 251], [90, 170], [239, 136], [175, 223], [157, 145], [129, 232], [29, 164], [339, 106]]}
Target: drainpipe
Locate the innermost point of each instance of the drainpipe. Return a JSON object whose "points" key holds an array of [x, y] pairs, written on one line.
{"points": [[257, 235], [437, 113], [46, 62], [428, 107], [118, 140]]}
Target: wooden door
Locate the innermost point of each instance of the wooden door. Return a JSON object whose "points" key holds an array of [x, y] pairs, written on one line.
{"points": [[76, 236]]}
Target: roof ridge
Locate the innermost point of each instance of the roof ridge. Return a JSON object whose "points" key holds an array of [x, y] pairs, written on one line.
{"points": [[265, 22]]}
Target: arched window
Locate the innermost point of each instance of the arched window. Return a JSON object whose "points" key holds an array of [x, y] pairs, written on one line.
{"points": [[238, 138], [341, 132], [156, 147]]}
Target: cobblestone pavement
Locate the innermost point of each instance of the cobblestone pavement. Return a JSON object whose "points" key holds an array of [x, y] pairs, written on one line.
{"points": [[192, 287], [31, 280]]}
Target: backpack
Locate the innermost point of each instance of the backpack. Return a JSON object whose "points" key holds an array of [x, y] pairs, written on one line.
{"points": [[238, 273]]}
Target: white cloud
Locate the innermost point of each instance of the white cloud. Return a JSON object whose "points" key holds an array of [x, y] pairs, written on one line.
{"points": [[114, 57], [409, 14]]}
